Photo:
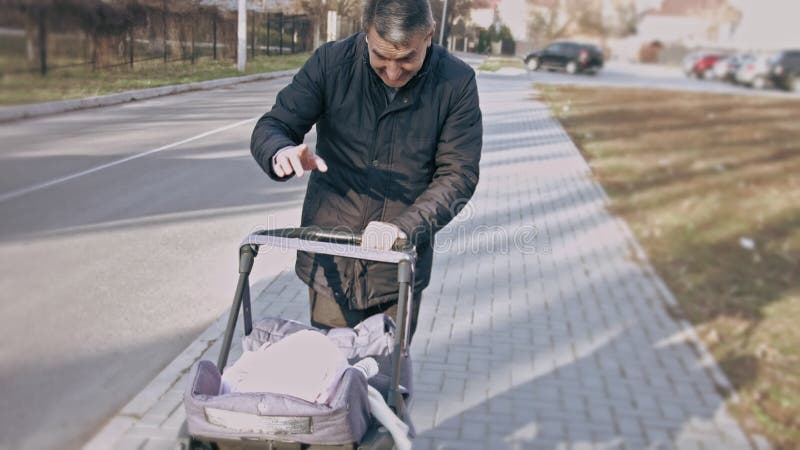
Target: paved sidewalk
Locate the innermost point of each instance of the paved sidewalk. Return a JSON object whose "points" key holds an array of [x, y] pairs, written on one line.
{"points": [[543, 328]]}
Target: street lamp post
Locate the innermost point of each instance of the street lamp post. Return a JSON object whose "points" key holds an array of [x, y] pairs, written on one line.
{"points": [[241, 50], [444, 20]]}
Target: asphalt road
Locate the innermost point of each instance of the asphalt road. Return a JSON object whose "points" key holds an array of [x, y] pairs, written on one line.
{"points": [[119, 233]]}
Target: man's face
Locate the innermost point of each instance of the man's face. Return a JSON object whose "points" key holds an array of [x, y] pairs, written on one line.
{"points": [[396, 65]]}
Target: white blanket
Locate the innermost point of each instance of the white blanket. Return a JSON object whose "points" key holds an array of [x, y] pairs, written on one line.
{"points": [[305, 365], [309, 366]]}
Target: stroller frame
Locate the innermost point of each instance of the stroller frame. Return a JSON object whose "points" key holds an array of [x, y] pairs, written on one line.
{"points": [[329, 242]]}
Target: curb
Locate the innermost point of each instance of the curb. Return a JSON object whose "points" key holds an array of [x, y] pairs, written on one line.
{"points": [[11, 113]]}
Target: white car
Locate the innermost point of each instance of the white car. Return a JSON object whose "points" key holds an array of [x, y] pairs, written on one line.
{"points": [[725, 69], [754, 72]]}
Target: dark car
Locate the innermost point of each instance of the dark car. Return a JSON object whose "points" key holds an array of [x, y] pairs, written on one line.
{"points": [[784, 70], [573, 57]]}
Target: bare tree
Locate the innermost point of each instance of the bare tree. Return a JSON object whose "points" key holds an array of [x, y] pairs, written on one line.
{"points": [[721, 15], [549, 20], [556, 19], [627, 17], [456, 10], [318, 11]]}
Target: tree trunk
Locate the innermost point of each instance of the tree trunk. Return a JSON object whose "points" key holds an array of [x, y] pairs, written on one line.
{"points": [[214, 35], [181, 23], [164, 29], [95, 51], [130, 46], [104, 51], [87, 43]]}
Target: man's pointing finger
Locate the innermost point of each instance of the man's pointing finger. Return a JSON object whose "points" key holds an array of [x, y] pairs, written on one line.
{"points": [[321, 165]]}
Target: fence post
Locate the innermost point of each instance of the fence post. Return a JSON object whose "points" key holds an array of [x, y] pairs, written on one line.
{"points": [[267, 34], [214, 33], [164, 16], [42, 43], [281, 27]]}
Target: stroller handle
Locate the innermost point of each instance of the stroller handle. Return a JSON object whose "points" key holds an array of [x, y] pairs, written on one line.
{"points": [[330, 242]]}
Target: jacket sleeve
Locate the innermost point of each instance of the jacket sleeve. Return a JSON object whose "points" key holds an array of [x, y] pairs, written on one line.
{"points": [[296, 109], [456, 174]]}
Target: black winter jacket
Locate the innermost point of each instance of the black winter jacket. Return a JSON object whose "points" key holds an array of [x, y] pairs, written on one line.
{"points": [[412, 162]]}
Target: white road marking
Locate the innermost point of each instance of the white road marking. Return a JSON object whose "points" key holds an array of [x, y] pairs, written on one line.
{"points": [[47, 184]]}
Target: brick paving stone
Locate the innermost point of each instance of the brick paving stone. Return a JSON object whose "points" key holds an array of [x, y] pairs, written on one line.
{"points": [[438, 434], [424, 443], [129, 443]]}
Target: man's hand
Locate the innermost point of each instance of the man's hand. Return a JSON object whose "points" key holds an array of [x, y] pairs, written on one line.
{"points": [[381, 235], [297, 160]]}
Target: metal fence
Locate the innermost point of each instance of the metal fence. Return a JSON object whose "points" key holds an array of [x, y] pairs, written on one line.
{"points": [[48, 40], [277, 27]]}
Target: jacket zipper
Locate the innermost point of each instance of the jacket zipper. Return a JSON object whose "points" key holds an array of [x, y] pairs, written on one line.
{"points": [[389, 180], [365, 208]]}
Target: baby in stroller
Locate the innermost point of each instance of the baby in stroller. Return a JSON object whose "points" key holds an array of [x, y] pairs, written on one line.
{"points": [[311, 369]]}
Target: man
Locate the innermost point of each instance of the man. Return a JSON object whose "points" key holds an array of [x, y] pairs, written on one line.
{"points": [[399, 138]]}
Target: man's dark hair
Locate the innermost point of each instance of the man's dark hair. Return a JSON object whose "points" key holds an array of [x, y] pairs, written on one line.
{"points": [[397, 20]]}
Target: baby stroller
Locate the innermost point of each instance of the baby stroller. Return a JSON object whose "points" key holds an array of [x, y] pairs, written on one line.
{"points": [[273, 421]]}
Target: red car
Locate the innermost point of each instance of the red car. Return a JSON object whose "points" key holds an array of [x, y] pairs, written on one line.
{"points": [[703, 67]]}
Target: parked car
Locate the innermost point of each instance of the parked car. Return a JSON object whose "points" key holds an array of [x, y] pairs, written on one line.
{"points": [[725, 69], [703, 67], [573, 57], [754, 72], [784, 70], [688, 61]]}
